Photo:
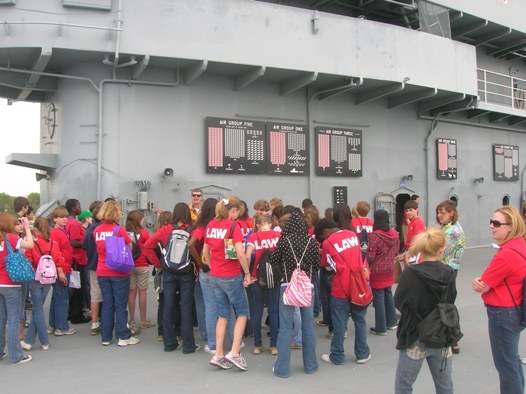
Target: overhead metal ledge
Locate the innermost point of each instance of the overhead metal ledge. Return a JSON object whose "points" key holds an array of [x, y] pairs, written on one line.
{"points": [[461, 32], [509, 47], [516, 120], [496, 117], [192, 73], [39, 66], [249, 77], [428, 105], [37, 161], [409, 98], [477, 113], [297, 83], [379, 92], [488, 37], [352, 83], [469, 102]]}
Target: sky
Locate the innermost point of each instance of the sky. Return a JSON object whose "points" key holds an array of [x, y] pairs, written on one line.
{"points": [[19, 133]]}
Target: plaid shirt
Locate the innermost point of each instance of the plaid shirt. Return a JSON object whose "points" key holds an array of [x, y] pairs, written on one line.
{"points": [[381, 253]]}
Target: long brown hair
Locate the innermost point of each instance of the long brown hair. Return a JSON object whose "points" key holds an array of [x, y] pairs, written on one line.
{"points": [[133, 221], [43, 227], [7, 224]]}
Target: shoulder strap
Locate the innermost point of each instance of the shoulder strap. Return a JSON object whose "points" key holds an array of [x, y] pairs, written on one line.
{"points": [[39, 250], [509, 290], [232, 229], [7, 244], [298, 263]]}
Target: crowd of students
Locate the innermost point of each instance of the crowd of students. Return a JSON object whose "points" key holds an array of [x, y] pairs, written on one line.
{"points": [[221, 291]]}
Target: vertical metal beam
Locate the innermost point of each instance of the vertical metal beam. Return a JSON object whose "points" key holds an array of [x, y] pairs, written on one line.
{"points": [[195, 71]]}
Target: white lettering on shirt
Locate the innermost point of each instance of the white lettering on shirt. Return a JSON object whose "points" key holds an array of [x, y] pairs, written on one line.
{"points": [[216, 233], [102, 236], [359, 229], [346, 243], [265, 244]]}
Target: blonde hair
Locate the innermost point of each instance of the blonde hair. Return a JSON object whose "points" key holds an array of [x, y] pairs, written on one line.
{"points": [[110, 212], [363, 208], [259, 220], [429, 242], [59, 212], [224, 206], [513, 216], [261, 205], [283, 220]]}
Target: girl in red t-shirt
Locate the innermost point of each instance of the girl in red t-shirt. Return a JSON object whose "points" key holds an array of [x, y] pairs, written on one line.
{"points": [[224, 250], [139, 275]]}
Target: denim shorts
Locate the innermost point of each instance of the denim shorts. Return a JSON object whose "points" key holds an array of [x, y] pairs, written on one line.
{"points": [[230, 291]]}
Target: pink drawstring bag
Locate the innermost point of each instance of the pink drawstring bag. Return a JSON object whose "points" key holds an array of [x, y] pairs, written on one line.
{"points": [[299, 290]]}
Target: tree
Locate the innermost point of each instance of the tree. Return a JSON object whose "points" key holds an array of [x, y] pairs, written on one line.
{"points": [[6, 202], [34, 200]]}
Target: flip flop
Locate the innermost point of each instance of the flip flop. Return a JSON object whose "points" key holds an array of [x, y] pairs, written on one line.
{"points": [[147, 324]]}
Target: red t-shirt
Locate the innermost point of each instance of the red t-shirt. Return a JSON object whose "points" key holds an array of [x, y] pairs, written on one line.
{"points": [[34, 254], [216, 232], [260, 241], [341, 251], [199, 235], [60, 236], [159, 237], [14, 240], [141, 238], [362, 223], [416, 227], [99, 234], [77, 233], [246, 226], [506, 264]]}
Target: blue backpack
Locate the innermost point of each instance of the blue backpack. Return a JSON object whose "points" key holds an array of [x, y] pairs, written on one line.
{"points": [[17, 266]]}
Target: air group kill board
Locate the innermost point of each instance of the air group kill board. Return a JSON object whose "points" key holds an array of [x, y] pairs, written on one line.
{"points": [[236, 146], [505, 162], [446, 158], [288, 149], [338, 152]]}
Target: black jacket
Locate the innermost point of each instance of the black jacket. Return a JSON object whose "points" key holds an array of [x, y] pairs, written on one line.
{"points": [[418, 293]]}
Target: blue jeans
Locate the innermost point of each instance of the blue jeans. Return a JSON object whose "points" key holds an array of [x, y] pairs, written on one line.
{"points": [[211, 311], [10, 315], [310, 361], [410, 361], [59, 306], [230, 292], [184, 284], [316, 293], [325, 296], [340, 316], [296, 328], [200, 310], [384, 309], [504, 333], [115, 291], [258, 293], [38, 323]]}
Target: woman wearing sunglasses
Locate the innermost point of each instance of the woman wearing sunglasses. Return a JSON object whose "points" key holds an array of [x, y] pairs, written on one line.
{"points": [[501, 287]]}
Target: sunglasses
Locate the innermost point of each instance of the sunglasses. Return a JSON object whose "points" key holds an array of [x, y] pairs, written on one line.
{"points": [[197, 195], [497, 224]]}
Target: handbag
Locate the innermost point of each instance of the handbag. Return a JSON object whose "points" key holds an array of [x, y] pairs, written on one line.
{"points": [[299, 289], [118, 255], [230, 246], [17, 265]]}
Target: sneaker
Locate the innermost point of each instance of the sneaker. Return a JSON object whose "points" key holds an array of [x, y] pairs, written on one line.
{"points": [[4, 355], [95, 330], [238, 361], [27, 358], [523, 359], [25, 346], [26, 324], [50, 330], [364, 360], [45, 347], [326, 358], [321, 323], [273, 351], [69, 331], [209, 351], [108, 343], [392, 328], [329, 335], [197, 347], [258, 350], [373, 331], [160, 338], [242, 346], [129, 341], [222, 362], [294, 346]]}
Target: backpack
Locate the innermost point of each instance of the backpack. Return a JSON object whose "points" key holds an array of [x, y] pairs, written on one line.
{"points": [[46, 272], [441, 327], [175, 254], [364, 242], [360, 294], [118, 255], [136, 252], [17, 265], [266, 275]]}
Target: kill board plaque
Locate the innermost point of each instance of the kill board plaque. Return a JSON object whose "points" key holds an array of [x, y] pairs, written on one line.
{"points": [[288, 149], [505, 162], [338, 152], [235, 146], [446, 158]]}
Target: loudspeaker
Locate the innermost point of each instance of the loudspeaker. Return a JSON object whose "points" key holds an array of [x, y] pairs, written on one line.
{"points": [[168, 172]]}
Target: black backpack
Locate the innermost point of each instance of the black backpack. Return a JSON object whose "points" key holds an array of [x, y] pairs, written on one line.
{"points": [[266, 276], [364, 242], [136, 251], [441, 327]]}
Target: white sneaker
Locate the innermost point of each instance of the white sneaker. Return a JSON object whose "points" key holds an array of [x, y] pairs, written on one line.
{"points": [[45, 347], [129, 341], [209, 351], [27, 358], [364, 360], [69, 331], [25, 346], [326, 358]]}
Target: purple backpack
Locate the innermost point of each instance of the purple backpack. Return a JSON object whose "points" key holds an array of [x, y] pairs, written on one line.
{"points": [[119, 256]]}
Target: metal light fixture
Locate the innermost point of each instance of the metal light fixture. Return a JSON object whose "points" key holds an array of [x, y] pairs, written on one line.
{"points": [[478, 180], [407, 178], [39, 176]]}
